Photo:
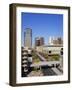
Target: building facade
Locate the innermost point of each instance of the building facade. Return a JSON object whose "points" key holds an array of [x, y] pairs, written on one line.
{"points": [[28, 38], [50, 49], [39, 41], [50, 41], [55, 41]]}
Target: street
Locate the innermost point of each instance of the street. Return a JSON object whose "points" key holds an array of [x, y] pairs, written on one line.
{"points": [[45, 68]]}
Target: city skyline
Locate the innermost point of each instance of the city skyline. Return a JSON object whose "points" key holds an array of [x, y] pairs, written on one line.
{"points": [[42, 25]]}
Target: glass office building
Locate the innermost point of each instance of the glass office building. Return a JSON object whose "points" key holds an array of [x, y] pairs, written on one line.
{"points": [[28, 38]]}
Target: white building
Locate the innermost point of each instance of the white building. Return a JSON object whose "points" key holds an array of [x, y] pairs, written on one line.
{"points": [[50, 49], [50, 41]]}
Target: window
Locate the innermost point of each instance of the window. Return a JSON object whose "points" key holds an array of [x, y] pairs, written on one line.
{"points": [[49, 51], [61, 48], [61, 52]]}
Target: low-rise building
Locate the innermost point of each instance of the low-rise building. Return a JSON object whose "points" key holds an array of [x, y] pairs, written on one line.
{"points": [[50, 49]]}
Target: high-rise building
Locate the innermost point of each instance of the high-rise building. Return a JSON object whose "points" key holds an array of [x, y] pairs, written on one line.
{"points": [[39, 41], [50, 41], [58, 41], [28, 38], [55, 41]]}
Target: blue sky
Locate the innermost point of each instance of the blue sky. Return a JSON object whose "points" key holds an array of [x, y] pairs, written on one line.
{"points": [[42, 25]]}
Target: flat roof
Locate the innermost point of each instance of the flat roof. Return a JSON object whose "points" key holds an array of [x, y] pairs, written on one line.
{"points": [[53, 46]]}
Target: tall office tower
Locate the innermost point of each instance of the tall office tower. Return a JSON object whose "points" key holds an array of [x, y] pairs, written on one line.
{"points": [[55, 41], [58, 41], [39, 41], [28, 38], [50, 41]]}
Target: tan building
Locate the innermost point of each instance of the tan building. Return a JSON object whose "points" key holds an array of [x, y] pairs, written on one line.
{"points": [[55, 41], [50, 49], [39, 41], [28, 38]]}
